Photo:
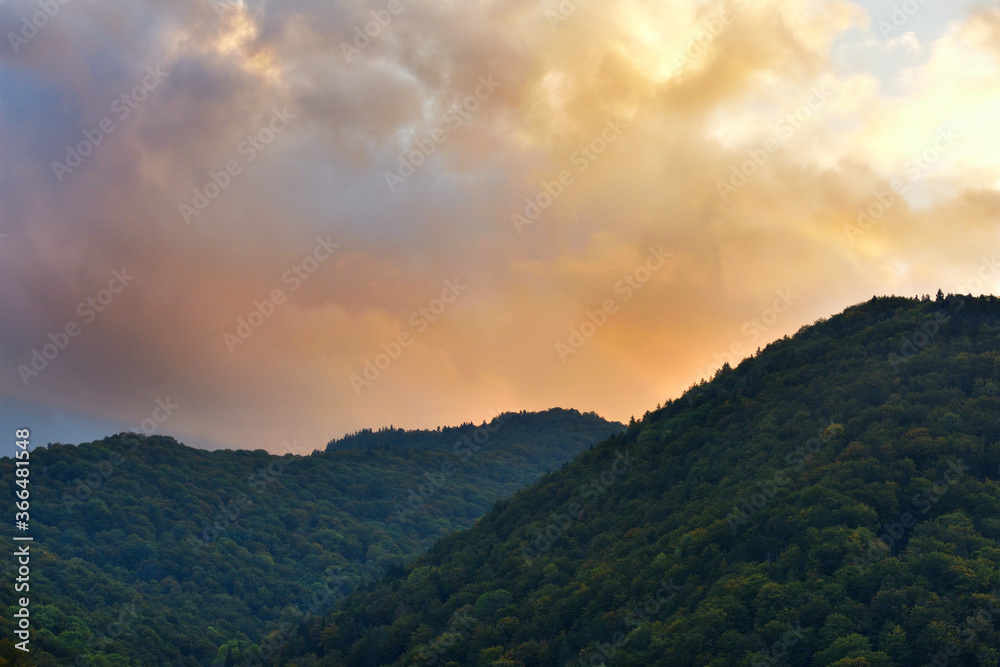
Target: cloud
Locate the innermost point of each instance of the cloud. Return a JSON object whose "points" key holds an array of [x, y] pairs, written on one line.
{"points": [[286, 140]]}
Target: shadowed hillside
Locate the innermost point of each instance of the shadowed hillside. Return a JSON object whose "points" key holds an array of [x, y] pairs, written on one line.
{"points": [[149, 552], [831, 501]]}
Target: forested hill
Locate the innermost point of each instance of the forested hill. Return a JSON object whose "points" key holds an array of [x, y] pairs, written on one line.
{"points": [[519, 429], [148, 552], [830, 502]]}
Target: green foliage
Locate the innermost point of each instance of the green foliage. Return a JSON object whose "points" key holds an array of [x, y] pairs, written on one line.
{"points": [[488, 604], [149, 552], [831, 501]]}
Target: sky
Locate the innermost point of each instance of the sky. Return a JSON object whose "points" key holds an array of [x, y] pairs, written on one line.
{"points": [[264, 224]]}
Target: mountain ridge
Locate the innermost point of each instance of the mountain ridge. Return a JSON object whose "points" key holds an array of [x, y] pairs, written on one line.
{"points": [[148, 551], [751, 527]]}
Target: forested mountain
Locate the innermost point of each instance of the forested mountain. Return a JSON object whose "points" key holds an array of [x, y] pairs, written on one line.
{"points": [[832, 501], [148, 552], [531, 435]]}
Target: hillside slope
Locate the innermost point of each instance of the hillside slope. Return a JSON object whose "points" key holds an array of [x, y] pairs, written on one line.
{"points": [[149, 552], [832, 501]]}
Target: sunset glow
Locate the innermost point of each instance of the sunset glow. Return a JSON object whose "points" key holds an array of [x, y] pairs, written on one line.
{"points": [[339, 219]]}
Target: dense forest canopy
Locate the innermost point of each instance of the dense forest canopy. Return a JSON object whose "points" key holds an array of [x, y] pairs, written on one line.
{"points": [[830, 502], [150, 552]]}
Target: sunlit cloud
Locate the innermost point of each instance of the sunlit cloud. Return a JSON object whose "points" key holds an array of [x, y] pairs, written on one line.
{"points": [[759, 143]]}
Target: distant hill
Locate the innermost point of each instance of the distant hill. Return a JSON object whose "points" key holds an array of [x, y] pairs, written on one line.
{"points": [[832, 501], [519, 431], [148, 552]]}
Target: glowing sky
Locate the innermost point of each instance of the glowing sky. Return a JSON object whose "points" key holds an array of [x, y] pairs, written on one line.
{"points": [[501, 205]]}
